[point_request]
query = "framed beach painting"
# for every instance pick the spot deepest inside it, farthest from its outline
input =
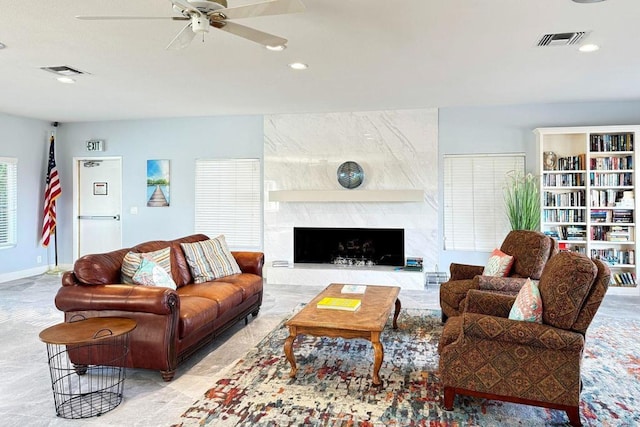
(158, 183)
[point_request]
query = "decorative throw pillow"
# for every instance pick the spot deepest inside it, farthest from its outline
(528, 304)
(132, 260)
(210, 259)
(499, 264)
(151, 274)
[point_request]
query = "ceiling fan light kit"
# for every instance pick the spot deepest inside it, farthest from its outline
(204, 14)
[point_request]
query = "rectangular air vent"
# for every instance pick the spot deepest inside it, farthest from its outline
(63, 70)
(562, 39)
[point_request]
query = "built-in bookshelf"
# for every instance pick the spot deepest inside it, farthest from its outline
(588, 195)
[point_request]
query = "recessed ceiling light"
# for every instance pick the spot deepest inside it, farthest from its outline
(65, 80)
(588, 48)
(2, 45)
(588, 1)
(298, 66)
(277, 48)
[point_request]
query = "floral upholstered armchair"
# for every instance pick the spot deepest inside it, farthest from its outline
(530, 250)
(484, 353)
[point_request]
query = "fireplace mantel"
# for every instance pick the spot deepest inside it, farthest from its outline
(346, 196)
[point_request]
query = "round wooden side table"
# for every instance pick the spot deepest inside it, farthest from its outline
(86, 361)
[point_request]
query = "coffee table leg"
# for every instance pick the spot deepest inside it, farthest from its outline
(395, 314)
(378, 356)
(288, 351)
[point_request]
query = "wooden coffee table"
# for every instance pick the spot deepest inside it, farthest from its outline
(367, 322)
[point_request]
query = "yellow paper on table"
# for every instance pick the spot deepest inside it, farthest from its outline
(347, 304)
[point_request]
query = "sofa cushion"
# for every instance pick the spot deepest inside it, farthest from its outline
(528, 304)
(250, 284)
(195, 313)
(210, 259)
(564, 287)
(151, 274)
(499, 264)
(132, 260)
(226, 295)
(530, 250)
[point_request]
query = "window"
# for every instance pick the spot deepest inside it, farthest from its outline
(475, 217)
(228, 201)
(8, 201)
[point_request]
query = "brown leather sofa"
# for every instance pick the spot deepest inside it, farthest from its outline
(171, 324)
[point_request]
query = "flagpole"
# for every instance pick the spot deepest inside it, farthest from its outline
(55, 270)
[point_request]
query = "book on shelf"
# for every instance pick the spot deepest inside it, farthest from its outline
(353, 289)
(345, 304)
(623, 279)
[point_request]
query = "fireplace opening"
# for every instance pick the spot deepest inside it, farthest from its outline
(349, 246)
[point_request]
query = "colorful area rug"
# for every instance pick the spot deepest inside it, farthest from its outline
(333, 384)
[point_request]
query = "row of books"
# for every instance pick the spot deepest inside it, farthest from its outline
(571, 198)
(563, 215)
(623, 279)
(566, 247)
(571, 163)
(615, 256)
(413, 264)
(612, 163)
(611, 142)
(567, 233)
(563, 180)
(604, 198)
(612, 233)
(611, 179)
(612, 215)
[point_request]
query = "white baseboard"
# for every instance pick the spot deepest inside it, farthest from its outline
(36, 271)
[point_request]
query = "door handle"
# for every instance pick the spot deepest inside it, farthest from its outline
(116, 217)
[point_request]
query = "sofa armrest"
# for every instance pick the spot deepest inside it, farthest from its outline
(517, 332)
(490, 303)
(132, 298)
(464, 271)
(250, 262)
(502, 284)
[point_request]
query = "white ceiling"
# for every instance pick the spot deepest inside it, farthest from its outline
(362, 55)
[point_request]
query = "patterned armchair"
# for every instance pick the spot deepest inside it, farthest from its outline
(484, 354)
(530, 250)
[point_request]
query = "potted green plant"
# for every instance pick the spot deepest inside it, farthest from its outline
(522, 201)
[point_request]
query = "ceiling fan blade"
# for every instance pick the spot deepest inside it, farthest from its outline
(182, 39)
(184, 5)
(108, 18)
(252, 34)
(274, 7)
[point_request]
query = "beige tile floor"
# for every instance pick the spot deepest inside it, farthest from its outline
(26, 399)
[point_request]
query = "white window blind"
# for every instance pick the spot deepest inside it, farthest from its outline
(475, 217)
(228, 201)
(8, 201)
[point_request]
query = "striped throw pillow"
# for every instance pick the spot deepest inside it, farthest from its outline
(210, 259)
(132, 260)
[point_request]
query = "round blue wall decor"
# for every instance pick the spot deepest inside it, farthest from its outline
(350, 175)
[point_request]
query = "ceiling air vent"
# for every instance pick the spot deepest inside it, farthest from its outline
(63, 70)
(562, 39)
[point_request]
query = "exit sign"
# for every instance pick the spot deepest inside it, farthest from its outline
(95, 145)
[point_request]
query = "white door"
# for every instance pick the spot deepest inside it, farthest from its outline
(98, 205)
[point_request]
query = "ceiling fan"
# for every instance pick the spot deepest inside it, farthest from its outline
(204, 14)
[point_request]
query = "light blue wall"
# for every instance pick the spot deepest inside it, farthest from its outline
(461, 130)
(509, 129)
(27, 140)
(181, 140)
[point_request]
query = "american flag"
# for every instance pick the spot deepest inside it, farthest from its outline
(52, 192)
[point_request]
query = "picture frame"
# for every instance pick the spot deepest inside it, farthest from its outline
(158, 183)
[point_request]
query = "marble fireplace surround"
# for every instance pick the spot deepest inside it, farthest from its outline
(398, 151)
